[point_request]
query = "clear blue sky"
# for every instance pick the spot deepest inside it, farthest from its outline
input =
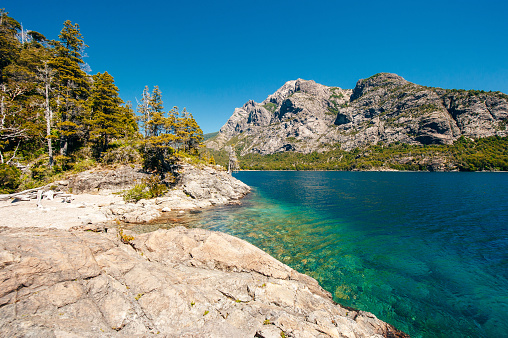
(213, 56)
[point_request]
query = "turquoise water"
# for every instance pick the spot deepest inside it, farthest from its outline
(426, 252)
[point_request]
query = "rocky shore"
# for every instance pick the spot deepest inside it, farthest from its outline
(57, 280)
(95, 198)
(177, 283)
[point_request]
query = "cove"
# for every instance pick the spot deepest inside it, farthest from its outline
(426, 252)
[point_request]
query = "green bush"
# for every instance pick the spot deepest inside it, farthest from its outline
(123, 154)
(9, 178)
(155, 186)
(158, 159)
(149, 187)
(83, 165)
(138, 192)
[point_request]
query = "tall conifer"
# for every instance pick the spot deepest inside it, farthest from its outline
(73, 83)
(106, 114)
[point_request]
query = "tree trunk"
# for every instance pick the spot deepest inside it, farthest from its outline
(64, 143)
(49, 118)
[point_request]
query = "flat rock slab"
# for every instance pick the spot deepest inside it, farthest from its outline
(56, 214)
(178, 282)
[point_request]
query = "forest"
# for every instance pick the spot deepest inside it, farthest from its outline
(484, 154)
(56, 118)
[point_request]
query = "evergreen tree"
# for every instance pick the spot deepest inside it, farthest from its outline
(9, 44)
(157, 121)
(19, 111)
(107, 116)
(129, 121)
(144, 110)
(73, 84)
(159, 138)
(193, 134)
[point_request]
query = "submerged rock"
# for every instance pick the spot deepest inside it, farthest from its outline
(178, 282)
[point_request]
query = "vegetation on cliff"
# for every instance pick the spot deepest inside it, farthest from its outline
(484, 154)
(55, 117)
(385, 122)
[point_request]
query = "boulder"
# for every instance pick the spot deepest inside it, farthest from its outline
(106, 180)
(211, 184)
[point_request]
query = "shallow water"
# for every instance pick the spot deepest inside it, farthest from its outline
(426, 252)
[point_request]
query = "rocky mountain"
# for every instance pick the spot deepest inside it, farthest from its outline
(304, 116)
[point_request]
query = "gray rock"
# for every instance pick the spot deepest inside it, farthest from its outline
(178, 282)
(196, 188)
(133, 213)
(107, 180)
(304, 116)
(209, 184)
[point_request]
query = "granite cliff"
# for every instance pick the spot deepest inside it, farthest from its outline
(304, 116)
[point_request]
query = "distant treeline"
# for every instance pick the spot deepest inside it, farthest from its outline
(485, 154)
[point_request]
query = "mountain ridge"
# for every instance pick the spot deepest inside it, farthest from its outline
(304, 116)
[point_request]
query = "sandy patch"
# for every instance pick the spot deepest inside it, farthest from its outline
(55, 214)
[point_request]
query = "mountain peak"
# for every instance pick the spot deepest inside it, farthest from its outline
(292, 87)
(364, 86)
(305, 116)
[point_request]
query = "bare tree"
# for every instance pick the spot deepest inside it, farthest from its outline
(24, 36)
(9, 131)
(46, 75)
(233, 164)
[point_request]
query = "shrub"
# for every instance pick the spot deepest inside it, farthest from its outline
(83, 165)
(138, 192)
(9, 178)
(123, 154)
(158, 159)
(125, 239)
(149, 187)
(155, 186)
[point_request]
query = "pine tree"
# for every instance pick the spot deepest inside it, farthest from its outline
(156, 124)
(129, 121)
(9, 44)
(19, 106)
(188, 132)
(158, 153)
(144, 110)
(73, 83)
(106, 113)
(194, 134)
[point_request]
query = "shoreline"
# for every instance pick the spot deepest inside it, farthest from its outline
(98, 202)
(388, 170)
(247, 293)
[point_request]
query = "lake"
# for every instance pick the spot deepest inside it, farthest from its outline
(426, 252)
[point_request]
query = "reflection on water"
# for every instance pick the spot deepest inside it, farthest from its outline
(425, 252)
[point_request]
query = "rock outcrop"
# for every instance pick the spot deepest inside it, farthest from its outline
(176, 283)
(195, 188)
(296, 118)
(106, 180)
(304, 116)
